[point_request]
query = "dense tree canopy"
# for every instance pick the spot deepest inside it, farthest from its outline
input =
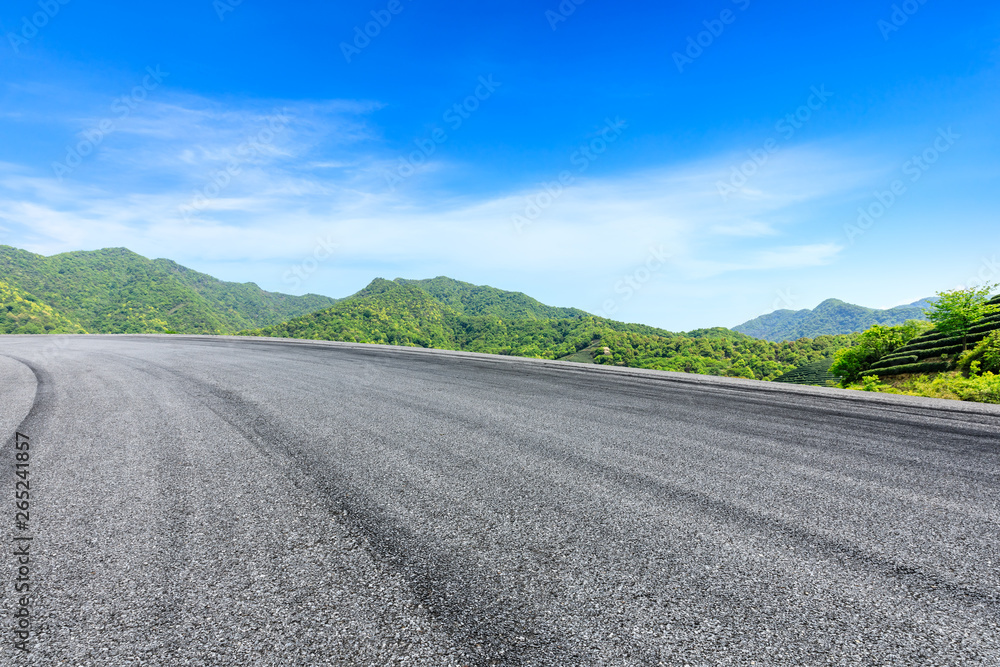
(956, 311)
(404, 313)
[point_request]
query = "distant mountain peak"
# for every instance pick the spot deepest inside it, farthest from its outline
(830, 317)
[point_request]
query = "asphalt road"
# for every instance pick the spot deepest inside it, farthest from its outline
(214, 501)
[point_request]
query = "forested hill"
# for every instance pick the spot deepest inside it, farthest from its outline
(832, 317)
(475, 319)
(469, 299)
(115, 290)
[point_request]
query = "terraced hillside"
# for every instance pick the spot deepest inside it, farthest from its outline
(816, 373)
(934, 352)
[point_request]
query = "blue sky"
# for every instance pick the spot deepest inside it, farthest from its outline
(678, 166)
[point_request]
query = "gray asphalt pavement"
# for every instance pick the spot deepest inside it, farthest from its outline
(221, 501)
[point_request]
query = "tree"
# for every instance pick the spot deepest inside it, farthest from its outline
(872, 345)
(956, 311)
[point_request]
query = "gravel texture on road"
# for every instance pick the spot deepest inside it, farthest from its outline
(234, 501)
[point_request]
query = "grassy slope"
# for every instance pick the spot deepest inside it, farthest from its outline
(934, 349)
(115, 290)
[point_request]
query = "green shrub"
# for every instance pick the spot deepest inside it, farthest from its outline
(930, 336)
(816, 373)
(990, 348)
(874, 344)
(983, 388)
(938, 351)
(871, 383)
(944, 341)
(922, 367)
(895, 360)
(984, 328)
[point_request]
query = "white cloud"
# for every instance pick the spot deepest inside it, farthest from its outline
(322, 176)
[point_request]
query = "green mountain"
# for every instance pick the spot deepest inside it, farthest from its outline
(404, 312)
(385, 312)
(114, 290)
(830, 318)
(117, 291)
(448, 314)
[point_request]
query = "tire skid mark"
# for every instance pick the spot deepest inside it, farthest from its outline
(478, 614)
(27, 425)
(444, 585)
(848, 555)
(32, 424)
(653, 385)
(173, 529)
(877, 457)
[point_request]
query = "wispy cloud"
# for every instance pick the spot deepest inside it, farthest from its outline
(320, 175)
(325, 165)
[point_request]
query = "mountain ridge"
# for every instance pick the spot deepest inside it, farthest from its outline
(831, 317)
(403, 312)
(469, 299)
(115, 290)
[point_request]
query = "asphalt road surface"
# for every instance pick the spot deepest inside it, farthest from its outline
(222, 501)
